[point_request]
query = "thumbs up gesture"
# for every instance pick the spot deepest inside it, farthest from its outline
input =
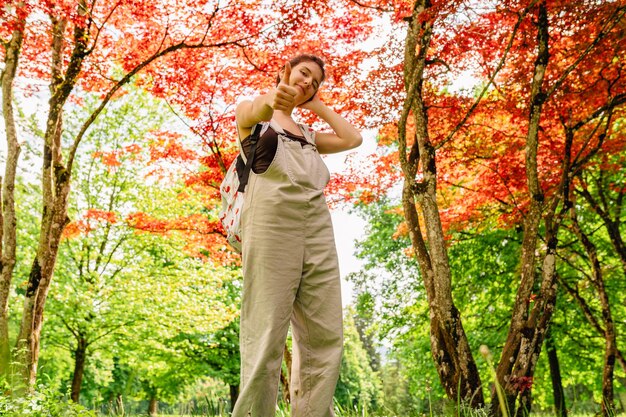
(284, 94)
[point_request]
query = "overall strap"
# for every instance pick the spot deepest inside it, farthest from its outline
(276, 127)
(306, 131)
(309, 134)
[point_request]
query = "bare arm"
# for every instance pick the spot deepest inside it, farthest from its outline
(248, 113)
(345, 135)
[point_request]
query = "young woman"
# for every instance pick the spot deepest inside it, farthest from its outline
(290, 264)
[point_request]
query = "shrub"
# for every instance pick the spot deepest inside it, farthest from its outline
(42, 403)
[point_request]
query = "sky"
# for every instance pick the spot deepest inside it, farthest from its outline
(348, 227)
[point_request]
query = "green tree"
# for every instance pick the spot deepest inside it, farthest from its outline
(359, 387)
(99, 247)
(216, 352)
(121, 294)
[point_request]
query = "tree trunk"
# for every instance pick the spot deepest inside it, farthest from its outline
(451, 352)
(80, 356)
(153, 406)
(533, 333)
(7, 214)
(284, 383)
(555, 375)
(613, 227)
(234, 394)
(285, 377)
(515, 369)
(608, 402)
(55, 191)
(119, 405)
(28, 343)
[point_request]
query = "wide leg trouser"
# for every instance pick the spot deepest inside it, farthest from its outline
(317, 338)
(290, 276)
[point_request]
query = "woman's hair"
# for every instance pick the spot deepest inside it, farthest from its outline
(306, 58)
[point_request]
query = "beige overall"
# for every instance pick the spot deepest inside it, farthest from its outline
(291, 274)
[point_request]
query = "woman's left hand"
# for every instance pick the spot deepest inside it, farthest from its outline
(314, 104)
(344, 136)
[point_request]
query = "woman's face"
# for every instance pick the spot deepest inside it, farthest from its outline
(306, 77)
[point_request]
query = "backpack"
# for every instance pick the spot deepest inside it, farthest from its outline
(233, 187)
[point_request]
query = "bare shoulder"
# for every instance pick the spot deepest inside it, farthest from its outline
(242, 117)
(243, 112)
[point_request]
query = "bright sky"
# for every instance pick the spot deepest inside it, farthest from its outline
(348, 227)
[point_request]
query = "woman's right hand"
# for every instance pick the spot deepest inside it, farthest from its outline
(282, 98)
(284, 94)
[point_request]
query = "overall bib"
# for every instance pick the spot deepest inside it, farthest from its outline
(291, 274)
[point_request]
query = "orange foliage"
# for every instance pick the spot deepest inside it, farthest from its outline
(89, 221)
(114, 158)
(481, 172)
(204, 237)
(168, 146)
(364, 181)
(401, 231)
(110, 158)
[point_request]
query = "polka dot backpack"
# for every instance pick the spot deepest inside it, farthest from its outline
(233, 186)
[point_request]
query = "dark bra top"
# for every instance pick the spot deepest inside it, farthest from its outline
(266, 148)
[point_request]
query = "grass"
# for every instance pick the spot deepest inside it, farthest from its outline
(355, 414)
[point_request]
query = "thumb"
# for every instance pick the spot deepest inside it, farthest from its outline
(286, 74)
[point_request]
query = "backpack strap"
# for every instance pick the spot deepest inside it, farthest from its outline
(257, 130)
(255, 134)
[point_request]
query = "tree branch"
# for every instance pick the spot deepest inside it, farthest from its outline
(366, 6)
(613, 20)
(507, 49)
